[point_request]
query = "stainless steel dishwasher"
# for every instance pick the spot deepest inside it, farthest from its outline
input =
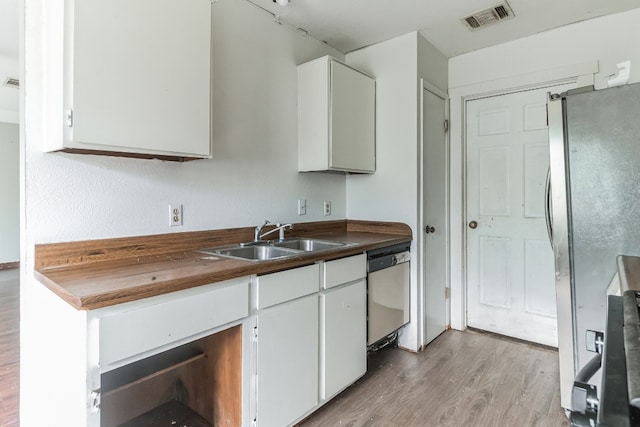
(387, 293)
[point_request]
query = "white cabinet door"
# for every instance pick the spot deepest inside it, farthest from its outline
(352, 120)
(287, 361)
(336, 118)
(138, 76)
(344, 338)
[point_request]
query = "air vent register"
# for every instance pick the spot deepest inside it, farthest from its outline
(489, 16)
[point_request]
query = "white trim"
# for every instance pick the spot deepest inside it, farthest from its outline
(526, 81)
(582, 74)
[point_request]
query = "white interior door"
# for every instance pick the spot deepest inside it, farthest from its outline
(510, 274)
(434, 209)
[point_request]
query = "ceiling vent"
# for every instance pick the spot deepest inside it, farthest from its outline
(489, 16)
(12, 82)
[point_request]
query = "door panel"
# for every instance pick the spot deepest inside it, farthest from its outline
(493, 180)
(537, 293)
(495, 287)
(536, 163)
(435, 200)
(510, 271)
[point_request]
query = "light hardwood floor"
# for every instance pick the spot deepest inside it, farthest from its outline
(9, 347)
(465, 379)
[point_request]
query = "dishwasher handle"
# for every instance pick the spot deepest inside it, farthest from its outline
(375, 264)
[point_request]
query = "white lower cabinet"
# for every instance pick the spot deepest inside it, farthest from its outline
(287, 362)
(288, 346)
(311, 339)
(344, 337)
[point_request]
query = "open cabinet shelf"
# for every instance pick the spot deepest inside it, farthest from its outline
(144, 370)
(196, 384)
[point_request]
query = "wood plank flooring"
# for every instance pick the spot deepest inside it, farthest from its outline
(462, 379)
(9, 347)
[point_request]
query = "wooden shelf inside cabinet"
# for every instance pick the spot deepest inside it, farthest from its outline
(173, 413)
(135, 373)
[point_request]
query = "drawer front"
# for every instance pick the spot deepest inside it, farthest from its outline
(344, 270)
(287, 285)
(138, 330)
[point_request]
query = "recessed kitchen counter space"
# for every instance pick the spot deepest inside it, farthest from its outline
(99, 273)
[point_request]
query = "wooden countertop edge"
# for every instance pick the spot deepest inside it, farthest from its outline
(367, 235)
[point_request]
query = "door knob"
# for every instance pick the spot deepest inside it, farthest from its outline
(428, 229)
(473, 225)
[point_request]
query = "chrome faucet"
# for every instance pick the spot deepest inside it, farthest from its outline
(256, 235)
(279, 227)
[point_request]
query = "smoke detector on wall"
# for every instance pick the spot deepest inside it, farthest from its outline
(11, 82)
(489, 16)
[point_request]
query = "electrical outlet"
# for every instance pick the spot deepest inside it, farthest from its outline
(302, 207)
(327, 207)
(175, 215)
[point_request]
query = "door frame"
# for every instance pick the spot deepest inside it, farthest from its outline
(582, 74)
(420, 243)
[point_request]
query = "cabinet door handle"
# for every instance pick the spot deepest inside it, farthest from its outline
(429, 229)
(473, 225)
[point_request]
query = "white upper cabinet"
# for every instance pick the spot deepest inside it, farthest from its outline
(336, 118)
(138, 77)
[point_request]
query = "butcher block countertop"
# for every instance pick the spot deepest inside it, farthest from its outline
(100, 273)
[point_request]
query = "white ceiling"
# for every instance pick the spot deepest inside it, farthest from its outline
(351, 24)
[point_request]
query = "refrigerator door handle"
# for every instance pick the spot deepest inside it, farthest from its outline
(547, 207)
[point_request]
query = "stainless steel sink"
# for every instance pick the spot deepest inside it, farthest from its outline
(308, 245)
(253, 252)
(268, 250)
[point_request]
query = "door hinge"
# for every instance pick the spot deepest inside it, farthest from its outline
(446, 125)
(70, 118)
(254, 335)
(446, 293)
(94, 399)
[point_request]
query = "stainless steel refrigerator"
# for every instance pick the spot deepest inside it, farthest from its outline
(593, 209)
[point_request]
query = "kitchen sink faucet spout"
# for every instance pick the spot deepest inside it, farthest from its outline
(257, 236)
(280, 228)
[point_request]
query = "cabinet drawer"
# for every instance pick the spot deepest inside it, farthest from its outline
(284, 286)
(344, 270)
(138, 329)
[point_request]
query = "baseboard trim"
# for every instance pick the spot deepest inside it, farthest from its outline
(9, 265)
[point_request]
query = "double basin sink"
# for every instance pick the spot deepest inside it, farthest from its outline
(276, 249)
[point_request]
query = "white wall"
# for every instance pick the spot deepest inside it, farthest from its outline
(252, 177)
(564, 52)
(9, 193)
(433, 65)
(391, 194)
(610, 39)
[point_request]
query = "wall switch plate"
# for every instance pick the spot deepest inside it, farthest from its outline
(175, 215)
(327, 207)
(302, 207)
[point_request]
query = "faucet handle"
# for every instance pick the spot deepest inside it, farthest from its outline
(282, 228)
(259, 228)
